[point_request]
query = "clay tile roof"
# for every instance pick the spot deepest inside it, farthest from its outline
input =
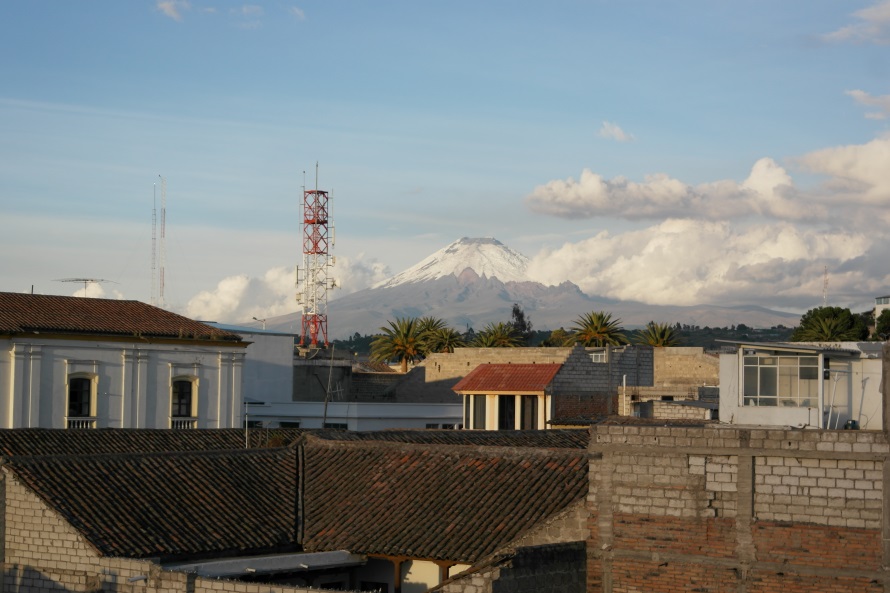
(171, 504)
(507, 378)
(448, 503)
(20, 313)
(543, 439)
(48, 441)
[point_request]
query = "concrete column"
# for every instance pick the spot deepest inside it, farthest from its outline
(35, 355)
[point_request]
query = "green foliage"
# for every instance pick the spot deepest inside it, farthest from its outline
(597, 328)
(557, 337)
(659, 335)
(882, 325)
(497, 335)
(830, 324)
(401, 341)
(522, 325)
(443, 339)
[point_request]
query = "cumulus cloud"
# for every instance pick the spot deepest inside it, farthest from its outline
(881, 102)
(240, 297)
(872, 25)
(686, 262)
(173, 8)
(614, 132)
(857, 173)
(768, 191)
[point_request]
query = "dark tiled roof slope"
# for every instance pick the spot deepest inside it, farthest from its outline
(46, 441)
(494, 378)
(35, 312)
(171, 505)
(448, 503)
(543, 439)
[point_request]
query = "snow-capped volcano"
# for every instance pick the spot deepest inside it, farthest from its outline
(487, 257)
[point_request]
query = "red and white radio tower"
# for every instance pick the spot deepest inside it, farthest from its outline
(317, 262)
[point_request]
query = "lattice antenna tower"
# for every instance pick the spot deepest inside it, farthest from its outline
(158, 249)
(314, 278)
(154, 242)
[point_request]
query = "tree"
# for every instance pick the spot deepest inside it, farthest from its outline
(522, 326)
(557, 338)
(882, 325)
(444, 339)
(597, 328)
(830, 324)
(497, 335)
(658, 335)
(402, 341)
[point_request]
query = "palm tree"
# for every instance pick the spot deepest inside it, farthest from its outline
(402, 341)
(444, 339)
(827, 329)
(497, 335)
(658, 335)
(597, 328)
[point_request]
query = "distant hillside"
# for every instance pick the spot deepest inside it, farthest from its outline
(450, 285)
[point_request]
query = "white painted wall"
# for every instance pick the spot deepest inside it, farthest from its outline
(357, 416)
(133, 381)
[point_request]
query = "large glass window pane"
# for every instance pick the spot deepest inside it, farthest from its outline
(182, 399)
(79, 392)
(768, 382)
(529, 412)
(750, 381)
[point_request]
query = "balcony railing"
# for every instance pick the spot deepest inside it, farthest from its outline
(183, 423)
(81, 422)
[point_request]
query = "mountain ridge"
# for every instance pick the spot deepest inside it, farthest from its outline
(448, 285)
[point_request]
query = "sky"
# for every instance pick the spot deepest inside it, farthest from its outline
(664, 151)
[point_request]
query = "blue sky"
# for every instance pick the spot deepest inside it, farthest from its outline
(662, 151)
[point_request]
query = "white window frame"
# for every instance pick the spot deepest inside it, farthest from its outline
(78, 422)
(190, 421)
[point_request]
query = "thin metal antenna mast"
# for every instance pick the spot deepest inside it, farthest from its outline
(825, 288)
(163, 247)
(154, 242)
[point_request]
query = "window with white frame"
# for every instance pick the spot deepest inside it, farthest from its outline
(598, 356)
(788, 380)
(183, 402)
(81, 401)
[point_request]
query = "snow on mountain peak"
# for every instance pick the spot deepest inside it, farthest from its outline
(486, 256)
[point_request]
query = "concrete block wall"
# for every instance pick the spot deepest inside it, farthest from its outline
(682, 366)
(740, 510)
(458, 364)
(673, 411)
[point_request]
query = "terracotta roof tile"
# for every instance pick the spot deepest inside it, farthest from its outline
(542, 439)
(21, 313)
(47, 441)
(449, 503)
(171, 505)
(506, 378)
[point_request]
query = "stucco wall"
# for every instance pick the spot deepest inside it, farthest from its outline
(133, 388)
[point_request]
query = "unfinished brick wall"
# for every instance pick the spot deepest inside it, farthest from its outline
(458, 364)
(741, 510)
(672, 411)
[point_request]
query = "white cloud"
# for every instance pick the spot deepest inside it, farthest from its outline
(251, 10)
(173, 8)
(881, 102)
(614, 132)
(240, 297)
(859, 173)
(872, 26)
(686, 262)
(297, 13)
(768, 191)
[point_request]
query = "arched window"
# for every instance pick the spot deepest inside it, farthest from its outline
(81, 402)
(183, 403)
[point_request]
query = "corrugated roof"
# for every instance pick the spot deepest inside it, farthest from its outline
(506, 378)
(24, 313)
(171, 504)
(448, 503)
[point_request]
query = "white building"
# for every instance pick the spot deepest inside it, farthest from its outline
(804, 385)
(69, 362)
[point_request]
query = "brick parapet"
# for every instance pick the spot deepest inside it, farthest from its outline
(756, 509)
